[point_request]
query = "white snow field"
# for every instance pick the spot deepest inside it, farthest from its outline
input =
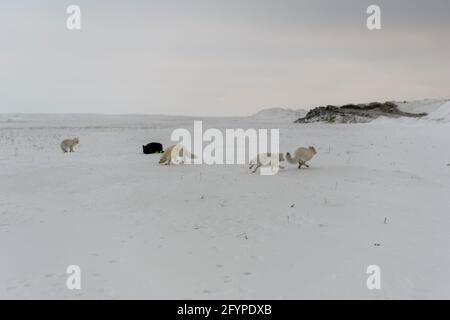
(376, 194)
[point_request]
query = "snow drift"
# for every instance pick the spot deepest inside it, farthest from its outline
(442, 114)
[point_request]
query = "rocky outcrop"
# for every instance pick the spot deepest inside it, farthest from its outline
(355, 113)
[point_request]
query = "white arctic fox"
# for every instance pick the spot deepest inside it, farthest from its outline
(266, 159)
(68, 144)
(175, 154)
(301, 156)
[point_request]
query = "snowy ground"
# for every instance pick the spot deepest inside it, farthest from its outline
(376, 194)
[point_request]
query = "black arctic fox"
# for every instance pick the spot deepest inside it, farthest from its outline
(153, 147)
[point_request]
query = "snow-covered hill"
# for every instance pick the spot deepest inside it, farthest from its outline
(387, 112)
(421, 106)
(279, 114)
(437, 112)
(441, 114)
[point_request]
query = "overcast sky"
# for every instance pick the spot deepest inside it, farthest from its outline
(211, 57)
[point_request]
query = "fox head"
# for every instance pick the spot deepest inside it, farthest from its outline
(313, 150)
(162, 159)
(76, 140)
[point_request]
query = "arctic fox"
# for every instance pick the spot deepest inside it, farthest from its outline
(266, 159)
(68, 144)
(176, 154)
(301, 156)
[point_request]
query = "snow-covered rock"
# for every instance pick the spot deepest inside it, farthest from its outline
(355, 113)
(406, 112)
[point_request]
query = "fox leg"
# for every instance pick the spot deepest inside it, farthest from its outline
(300, 165)
(256, 169)
(306, 165)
